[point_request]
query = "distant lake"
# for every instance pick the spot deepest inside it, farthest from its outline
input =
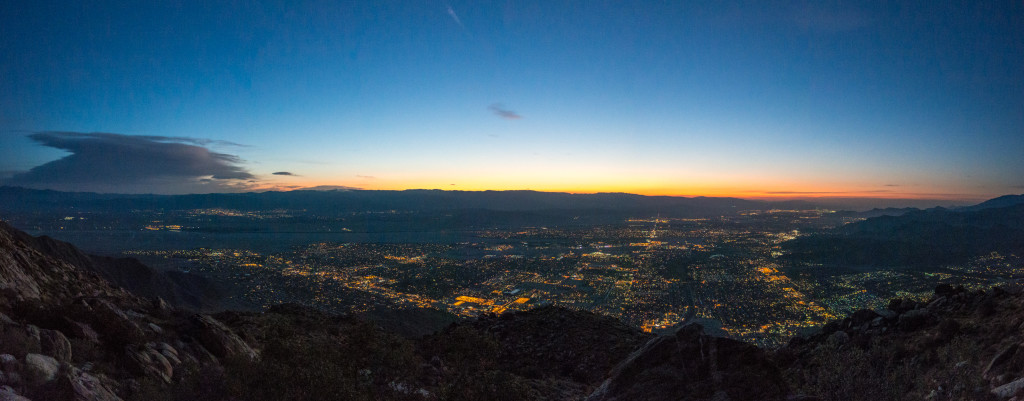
(114, 242)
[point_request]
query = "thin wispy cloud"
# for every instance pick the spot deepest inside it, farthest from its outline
(284, 173)
(500, 110)
(819, 192)
(455, 17)
(108, 162)
(365, 177)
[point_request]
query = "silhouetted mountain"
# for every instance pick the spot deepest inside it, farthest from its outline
(1000, 202)
(179, 288)
(933, 237)
(876, 212)
(344, 201)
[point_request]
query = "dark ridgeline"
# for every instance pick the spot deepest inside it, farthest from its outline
(920, 238)
(178, 288)
(16, 199)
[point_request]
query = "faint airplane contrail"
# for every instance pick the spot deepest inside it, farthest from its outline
(455, 16)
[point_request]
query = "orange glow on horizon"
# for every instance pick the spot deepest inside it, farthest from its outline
(649, 188)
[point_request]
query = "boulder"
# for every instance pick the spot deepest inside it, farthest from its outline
(55, 344)
(220, 340)
(40, 369)
(147, 361)
(8, 394)
(82, 386)
(83, 331)
(9, 363)
(913, 320)
(115, 323)
(161, 308)
(168, 352)
(1009, 389)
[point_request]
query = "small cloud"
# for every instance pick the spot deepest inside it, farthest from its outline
(283, 173)
(891, 185)
(502, 112)
(366, 177)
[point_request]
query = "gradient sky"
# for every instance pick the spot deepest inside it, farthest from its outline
(751, 99)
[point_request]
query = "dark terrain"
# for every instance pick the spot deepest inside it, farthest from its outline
(69, 333)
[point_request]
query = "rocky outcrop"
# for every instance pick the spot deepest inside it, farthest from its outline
(220, 340)
(55, 344)
(40, 369)
(959, 344)
(692, 365)
(81, 386)
(181, 289)
(147, 360)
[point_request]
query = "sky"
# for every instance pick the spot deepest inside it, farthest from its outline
(759, 99)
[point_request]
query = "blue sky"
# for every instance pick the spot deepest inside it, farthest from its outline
(750, 99)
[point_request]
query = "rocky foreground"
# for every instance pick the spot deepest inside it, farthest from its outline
(67, 333)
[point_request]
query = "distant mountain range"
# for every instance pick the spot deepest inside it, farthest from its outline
(341, 201)
(932, 237)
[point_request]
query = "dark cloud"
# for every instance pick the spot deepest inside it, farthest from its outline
(282, 173)
(106, 162)
(891, 185)
(502, 112)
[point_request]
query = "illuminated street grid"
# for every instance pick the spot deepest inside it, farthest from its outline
(652, 273)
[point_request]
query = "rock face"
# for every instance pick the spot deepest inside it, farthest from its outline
(693, 366)
(55, 344)
(220, 340)
(82, 386)
(182, 289)
(61, 324)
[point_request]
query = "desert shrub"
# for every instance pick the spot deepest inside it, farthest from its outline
(195, 382)
(16, 341)
(464, 348)
(892, 371)
(360, 364)
(494, 385)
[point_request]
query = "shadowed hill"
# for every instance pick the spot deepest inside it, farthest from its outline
(934, 237)
(179, 288)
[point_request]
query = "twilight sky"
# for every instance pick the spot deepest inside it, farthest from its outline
(751, 99)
